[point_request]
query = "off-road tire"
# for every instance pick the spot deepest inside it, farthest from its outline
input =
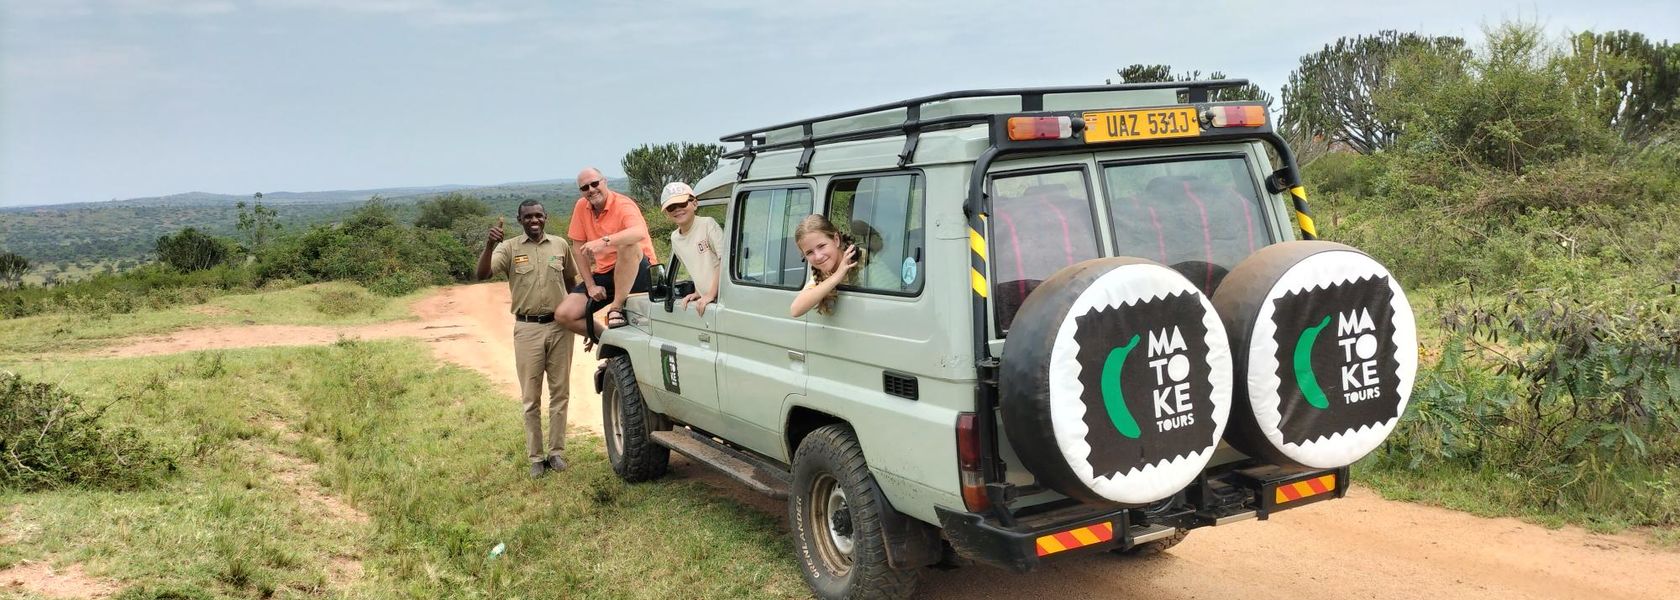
(1155, 547)
(829, 467)
(629, 426)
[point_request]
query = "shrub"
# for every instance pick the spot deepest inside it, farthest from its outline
(50, 438)
(1572, 397)
(344, 300)
(191, 250)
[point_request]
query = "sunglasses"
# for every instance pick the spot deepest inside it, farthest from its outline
(676, 207)
(589, 186)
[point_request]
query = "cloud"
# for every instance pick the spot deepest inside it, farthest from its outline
(424, 12)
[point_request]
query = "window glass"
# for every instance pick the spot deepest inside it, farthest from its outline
(764, 252)
(883, 216)
(1198, 216)
(1041, 223)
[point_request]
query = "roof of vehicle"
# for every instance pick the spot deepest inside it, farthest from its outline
(941, 128)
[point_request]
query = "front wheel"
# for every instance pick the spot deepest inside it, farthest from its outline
(629, 426)
(835, 510)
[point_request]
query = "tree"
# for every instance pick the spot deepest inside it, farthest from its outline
(650, 167)
(258, 224)
(1334, 91)
(191, 250)
(443, 211)
(12, 268)
(1140, 73)
(1627, 82)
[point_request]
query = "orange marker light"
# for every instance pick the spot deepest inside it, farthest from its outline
(1236, 116)
(1040, 128)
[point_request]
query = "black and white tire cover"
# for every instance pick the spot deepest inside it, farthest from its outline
(1325, 350)
(1116, 381)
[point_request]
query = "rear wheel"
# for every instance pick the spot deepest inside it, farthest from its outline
(630, 425)
(835, 512)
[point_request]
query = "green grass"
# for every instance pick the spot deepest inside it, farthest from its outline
(332, 303)
(432, 456)
(1638, 497)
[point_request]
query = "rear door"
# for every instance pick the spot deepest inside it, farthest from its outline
(764, 367)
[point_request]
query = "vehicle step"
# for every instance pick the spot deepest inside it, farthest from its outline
(762, 478)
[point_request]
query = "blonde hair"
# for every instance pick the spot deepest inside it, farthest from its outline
(818, 223)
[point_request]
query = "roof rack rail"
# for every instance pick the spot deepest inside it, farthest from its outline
(1032, 99)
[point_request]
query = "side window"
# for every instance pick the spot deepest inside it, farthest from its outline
(1199, 216)
(883, 216)
(764, 252)
(1041, 223)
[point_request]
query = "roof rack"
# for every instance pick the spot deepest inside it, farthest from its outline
(1032, 99)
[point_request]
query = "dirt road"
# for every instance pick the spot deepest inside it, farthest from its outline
(1359, 547)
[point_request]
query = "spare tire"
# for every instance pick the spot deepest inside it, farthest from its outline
(1116, 381)
(1325, 348)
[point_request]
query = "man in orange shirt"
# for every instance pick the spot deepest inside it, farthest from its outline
(609, 235)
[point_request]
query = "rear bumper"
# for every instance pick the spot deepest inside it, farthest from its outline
(1219, 498)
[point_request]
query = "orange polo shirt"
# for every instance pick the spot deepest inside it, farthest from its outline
(619, 213)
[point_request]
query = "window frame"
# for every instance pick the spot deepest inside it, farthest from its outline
(1084, 169)
(737, 215)
(921, 185)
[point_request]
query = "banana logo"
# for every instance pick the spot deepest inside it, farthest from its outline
(1114, 395)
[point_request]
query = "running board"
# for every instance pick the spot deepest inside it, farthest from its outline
(756, 473)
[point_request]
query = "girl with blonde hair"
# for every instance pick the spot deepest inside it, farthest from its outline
(832, 256)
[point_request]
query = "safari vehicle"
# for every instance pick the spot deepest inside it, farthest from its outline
(1085, 324)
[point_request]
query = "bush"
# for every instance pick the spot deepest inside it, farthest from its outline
(49, 438)
(370, 248)
(344, 300)
(1574, 398)
(191, 250)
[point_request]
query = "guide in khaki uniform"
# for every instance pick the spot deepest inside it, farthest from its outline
(539, 269)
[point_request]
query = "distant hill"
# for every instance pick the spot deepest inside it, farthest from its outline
(69, 240)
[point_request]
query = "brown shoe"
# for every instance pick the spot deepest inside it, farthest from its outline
(538, 468)
(555, 463)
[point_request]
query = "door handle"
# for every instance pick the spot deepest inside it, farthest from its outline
(797, 356)
(705, 338)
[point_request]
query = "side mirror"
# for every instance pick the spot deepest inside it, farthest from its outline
(659, 288)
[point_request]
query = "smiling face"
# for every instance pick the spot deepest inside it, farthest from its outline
(682, 214)
(532, 219)
(821, 250)
(593, 186)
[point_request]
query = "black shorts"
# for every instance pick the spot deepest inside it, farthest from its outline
(642, 283)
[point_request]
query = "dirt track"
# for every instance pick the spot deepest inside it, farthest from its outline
(1360, 547)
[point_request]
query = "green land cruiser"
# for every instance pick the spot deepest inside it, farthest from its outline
(1085, 323)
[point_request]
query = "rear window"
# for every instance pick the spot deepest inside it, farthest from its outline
(1198, 216)
(1041, 222)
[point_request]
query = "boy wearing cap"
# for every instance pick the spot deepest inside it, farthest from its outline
(697, 242)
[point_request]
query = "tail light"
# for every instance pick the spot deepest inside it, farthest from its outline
(969, 475)
(1041, 128)
(1236, 116)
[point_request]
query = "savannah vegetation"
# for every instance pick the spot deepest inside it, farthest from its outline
(1522, 189)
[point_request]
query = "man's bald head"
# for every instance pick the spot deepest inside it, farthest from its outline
(593, 185)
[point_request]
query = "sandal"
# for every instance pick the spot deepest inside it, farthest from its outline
(615, 318)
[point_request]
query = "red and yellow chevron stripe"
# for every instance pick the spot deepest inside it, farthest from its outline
(1302, 489)
(1075, 538)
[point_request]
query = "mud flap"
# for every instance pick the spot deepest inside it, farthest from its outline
(910, 543)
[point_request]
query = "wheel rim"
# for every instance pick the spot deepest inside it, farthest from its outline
(615, 425)
(831, 518)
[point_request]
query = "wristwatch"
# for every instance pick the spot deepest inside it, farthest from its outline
(606, 240)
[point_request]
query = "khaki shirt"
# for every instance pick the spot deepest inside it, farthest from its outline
(539, 274)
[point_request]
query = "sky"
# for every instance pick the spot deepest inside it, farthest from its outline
(110, 99)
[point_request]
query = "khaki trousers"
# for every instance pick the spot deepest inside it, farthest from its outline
(543, 349)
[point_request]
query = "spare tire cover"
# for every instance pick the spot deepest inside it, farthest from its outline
(1325, 350)
(1116, 381)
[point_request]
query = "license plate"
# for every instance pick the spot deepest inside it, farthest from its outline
(1146, 124)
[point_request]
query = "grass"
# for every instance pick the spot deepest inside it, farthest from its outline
(274, 444)
(332, 303)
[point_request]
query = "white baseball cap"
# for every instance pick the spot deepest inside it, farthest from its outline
(675, 192)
